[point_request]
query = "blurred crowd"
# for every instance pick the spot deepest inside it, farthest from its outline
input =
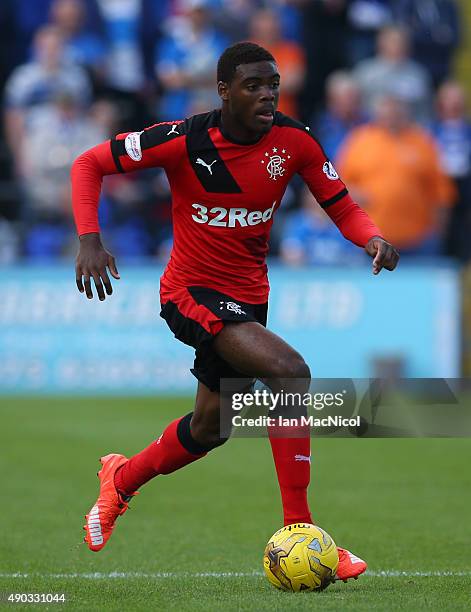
(373, 78)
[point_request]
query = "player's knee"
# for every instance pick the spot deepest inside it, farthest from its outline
(206, 432)
(290, 366)
(300, 369)
(208, 437)
(215, 441)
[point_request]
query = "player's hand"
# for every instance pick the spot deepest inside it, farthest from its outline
(92, 261)
(384, 254)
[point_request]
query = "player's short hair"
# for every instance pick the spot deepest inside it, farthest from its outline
(240, 53)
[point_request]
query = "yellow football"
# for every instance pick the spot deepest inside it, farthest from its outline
(301, 557)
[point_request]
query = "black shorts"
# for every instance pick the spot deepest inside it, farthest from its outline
(195, 315)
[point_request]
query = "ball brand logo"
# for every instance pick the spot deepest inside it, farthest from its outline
(329, 170)
(132, 144)
(233, 307)
(274, 163)
(217, 216)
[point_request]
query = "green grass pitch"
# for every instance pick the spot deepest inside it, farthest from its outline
(194, 540)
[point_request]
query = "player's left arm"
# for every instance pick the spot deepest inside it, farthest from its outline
(332, 195)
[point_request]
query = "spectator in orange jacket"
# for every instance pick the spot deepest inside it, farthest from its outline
(393, 169)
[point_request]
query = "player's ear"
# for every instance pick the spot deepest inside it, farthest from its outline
(223, 91)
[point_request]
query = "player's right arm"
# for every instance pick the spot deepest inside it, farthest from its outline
(160, 145)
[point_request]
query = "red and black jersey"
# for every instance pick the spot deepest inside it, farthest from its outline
(224, 196)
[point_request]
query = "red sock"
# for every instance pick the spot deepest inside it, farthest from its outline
(292, 458)
(162, 456)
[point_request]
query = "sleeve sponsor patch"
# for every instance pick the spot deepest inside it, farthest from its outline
(329, 170)
(132, 144)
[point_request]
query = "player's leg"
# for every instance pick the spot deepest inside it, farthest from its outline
(177, 446)
(120, 477)
(255, 351)
(186, 439)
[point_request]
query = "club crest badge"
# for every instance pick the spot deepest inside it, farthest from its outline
(274, 160)
(232, 307)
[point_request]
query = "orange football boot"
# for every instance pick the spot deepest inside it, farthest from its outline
(350, 566)
(109, 505)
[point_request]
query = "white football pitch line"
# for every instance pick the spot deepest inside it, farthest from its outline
(254, 574)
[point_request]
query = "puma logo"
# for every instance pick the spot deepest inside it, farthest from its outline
(94, 526)
(201, 162)
(173, 130)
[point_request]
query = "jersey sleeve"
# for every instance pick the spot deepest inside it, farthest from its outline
(332, 195)
(160, 145)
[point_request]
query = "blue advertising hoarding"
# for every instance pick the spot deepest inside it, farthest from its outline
(54, 341)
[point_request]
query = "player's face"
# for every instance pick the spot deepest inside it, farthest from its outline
(252, 96)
